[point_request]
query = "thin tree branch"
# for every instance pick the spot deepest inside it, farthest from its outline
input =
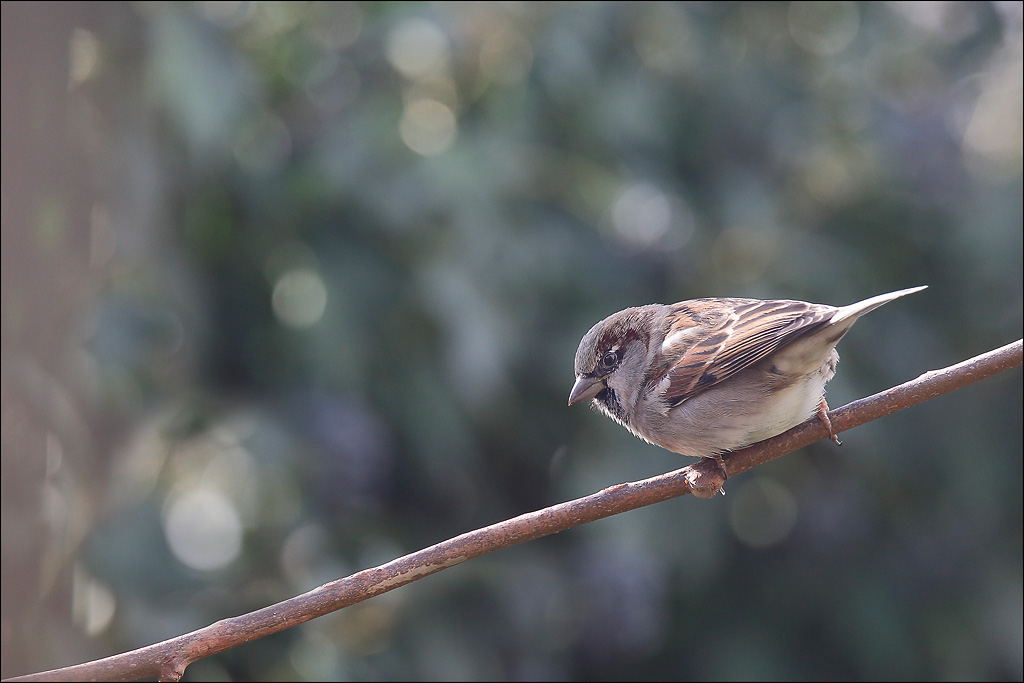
(167, 660)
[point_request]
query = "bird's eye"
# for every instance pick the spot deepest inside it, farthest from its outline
(609, 360)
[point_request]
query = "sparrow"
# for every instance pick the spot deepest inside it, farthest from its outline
(707, 376)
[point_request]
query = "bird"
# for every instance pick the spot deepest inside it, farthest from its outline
(704, 377)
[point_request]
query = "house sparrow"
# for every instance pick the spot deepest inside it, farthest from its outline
(708, 376)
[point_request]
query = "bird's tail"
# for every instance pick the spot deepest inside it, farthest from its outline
(861, 307)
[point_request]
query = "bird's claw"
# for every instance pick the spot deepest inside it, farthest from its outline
(823, 416)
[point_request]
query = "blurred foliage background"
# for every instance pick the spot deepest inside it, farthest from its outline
(292, 289)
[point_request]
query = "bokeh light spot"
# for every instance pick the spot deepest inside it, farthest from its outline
(300, 298)
(85, 55)
(641, 214)
(992, 140)
(203, 529)
(417, 48)
(763, 513)
(92, 602)
(427, 127)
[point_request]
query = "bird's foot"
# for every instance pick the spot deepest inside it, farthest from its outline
(823, 416)
(705, 483)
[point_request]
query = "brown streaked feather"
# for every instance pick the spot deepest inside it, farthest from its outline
(736, 335)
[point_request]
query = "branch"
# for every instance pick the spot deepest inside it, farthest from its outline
(167, 660)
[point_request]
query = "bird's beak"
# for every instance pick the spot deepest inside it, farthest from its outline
(585, 388)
